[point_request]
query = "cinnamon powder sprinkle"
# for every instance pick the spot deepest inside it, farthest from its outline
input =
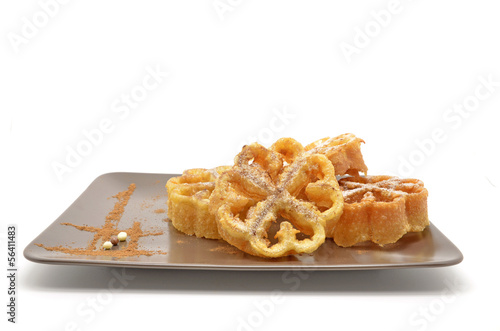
(224, 249)
(111, 227)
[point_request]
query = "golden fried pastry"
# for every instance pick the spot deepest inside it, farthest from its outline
(265, 185)
(188, 201)
(380, 209)
(343, 151)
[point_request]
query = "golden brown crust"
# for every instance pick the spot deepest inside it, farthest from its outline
(380, 209)
(188, 197)
(266, 184)
(343, 151)
(288, 181)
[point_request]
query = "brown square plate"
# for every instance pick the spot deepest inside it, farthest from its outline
(171, 249)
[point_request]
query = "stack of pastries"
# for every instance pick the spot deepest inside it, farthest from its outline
(309, 193)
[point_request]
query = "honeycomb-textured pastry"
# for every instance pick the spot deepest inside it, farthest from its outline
(343, 151)
(380, 209)
(188, 197)
(265, 185)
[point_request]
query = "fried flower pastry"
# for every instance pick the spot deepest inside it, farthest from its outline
(380, 209)
(266, 185)
(343, 151)
(188, 197)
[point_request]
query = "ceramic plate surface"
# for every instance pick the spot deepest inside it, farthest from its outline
(147, 205)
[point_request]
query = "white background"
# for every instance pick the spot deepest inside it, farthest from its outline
(230, 73)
